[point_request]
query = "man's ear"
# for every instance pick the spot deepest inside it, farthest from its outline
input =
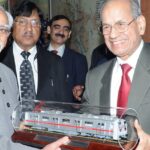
(69, 34)
(48, 29)
(141, 22)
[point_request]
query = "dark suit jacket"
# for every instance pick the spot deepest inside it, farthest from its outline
(100, 55)
(51, 76)
(98, 87)
(75, 68)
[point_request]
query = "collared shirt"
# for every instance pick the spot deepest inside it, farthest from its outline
(60, 49)
(18, 60)
(117, 74)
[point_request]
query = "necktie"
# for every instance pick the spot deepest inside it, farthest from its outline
(27, 86)
(124, 87)
(54, 51)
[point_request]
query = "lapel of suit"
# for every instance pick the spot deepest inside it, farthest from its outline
(106, 82)
(41, 71)
(9, 60)
(141, 79)
(65, 55)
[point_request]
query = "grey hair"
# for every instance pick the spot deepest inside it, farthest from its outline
(135, 7)
(9, 17)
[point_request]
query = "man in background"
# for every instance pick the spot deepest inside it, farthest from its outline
(100, 55)
(75, 63)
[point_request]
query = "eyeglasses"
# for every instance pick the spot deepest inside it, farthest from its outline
(119, 26)
(24, 22)
(4, 30)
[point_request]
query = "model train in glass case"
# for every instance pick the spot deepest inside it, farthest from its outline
(96, 126)
(37, 123)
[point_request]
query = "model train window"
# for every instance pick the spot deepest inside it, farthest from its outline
(99, 124)
(45, 118)
(55, 119)
(34, 117)
(102, 124)
(77, 121)
(65, 120)
(88, 123)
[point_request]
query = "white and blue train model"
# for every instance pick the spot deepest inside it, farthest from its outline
(97, 126)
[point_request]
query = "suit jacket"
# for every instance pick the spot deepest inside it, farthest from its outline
(75, 68)
(98, 87)
(51, 76)
(100, 55)
(8, 101)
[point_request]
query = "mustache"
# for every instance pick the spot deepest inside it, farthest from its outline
(61, 35)
(28, 33)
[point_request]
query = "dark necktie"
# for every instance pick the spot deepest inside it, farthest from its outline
(27, 86)
(54, 51)
(124, 88)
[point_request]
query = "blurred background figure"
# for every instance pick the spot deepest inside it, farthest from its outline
(75, 64)
(100, 55)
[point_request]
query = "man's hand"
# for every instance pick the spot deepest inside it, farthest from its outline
(144, 143)
(56, 145)
(77, 91)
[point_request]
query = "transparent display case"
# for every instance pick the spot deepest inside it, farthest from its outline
(43, 122)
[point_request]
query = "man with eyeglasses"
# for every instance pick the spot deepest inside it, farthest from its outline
(9, 96)
(124, 80)
(59, 29)
(45, 77)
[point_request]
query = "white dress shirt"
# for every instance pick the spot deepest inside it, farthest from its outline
(18, 60)
(60, 49)
(117, 74)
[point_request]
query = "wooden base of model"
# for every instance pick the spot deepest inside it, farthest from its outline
(39, 140)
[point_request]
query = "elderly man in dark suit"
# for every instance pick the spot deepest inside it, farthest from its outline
(75, 63)
(47, 68)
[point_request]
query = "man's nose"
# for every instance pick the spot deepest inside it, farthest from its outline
(29, 25)
(113, 32)
(61, 30)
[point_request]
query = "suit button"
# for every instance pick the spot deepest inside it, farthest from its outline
(3, 91)
(8, 104)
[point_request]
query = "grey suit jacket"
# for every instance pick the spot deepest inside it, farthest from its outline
(8, 101)
(98, 83)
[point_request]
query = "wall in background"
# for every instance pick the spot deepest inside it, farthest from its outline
(4, 3)
(145, 4)
(85, 36)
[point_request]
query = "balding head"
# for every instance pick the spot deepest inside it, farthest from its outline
(135, 6)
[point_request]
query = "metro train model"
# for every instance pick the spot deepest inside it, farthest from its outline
(73, 124)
